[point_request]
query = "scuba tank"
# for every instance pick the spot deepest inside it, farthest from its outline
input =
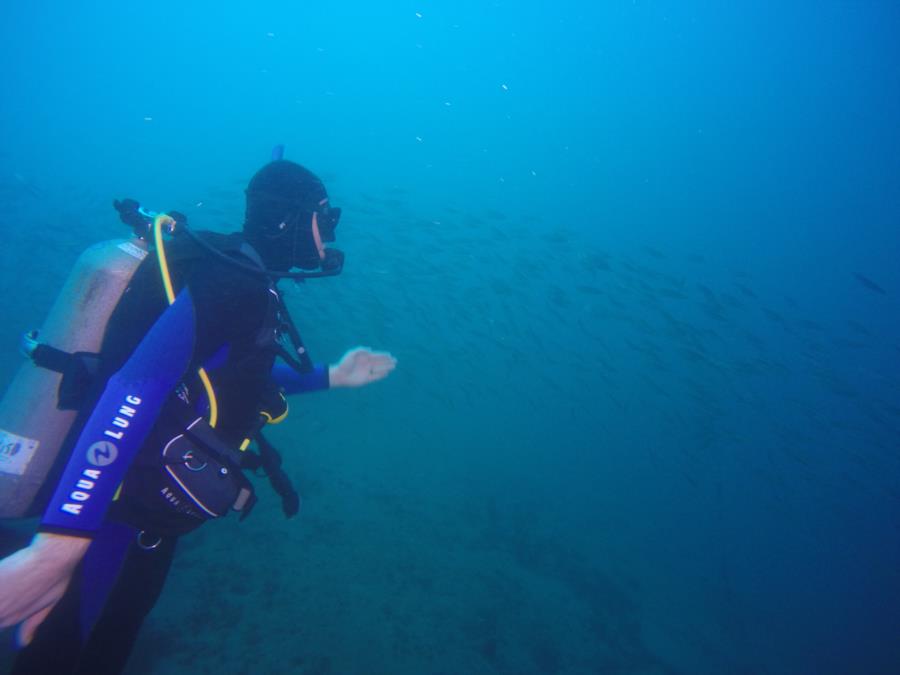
(32, 426)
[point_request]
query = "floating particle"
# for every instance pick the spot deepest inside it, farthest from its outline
(270, 35)
(199, 203)
(148, 119)
(504, 87)
(447, 103)
(418, 15)
(419, 138)
(533, 172)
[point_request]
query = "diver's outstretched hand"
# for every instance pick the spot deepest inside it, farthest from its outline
(360, 366)
(33, 579)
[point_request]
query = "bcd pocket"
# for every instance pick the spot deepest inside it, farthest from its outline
(206, 472)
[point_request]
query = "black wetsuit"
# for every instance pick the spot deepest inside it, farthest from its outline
(233, 309)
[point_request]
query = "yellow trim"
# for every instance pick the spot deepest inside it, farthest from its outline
(158, 222)
(281, 417)
(245, 444)
(118, 492)
(211, 396)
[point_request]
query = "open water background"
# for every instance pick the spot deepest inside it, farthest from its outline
(638, 261)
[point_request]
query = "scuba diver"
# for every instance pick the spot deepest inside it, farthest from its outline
(155, 425)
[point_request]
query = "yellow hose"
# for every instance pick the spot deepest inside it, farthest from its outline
(158, 222)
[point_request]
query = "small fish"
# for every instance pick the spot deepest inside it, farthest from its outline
(774, 316)
(745, 291)
(868, 283)
(858, 327)
(809, 324)
(670, 293)
(596, 261)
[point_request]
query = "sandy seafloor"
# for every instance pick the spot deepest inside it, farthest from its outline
(371, 582)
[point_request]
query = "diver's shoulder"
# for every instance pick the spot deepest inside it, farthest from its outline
(231, 267)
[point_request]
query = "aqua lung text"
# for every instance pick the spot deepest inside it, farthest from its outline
(101, 454)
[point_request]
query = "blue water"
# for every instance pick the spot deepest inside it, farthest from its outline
(638, 261)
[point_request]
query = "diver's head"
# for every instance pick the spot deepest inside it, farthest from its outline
(289, 220)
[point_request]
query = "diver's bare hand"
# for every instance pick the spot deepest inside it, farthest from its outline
(360, 366)
(33, 579)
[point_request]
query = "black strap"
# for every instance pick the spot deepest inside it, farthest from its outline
(270, 462)
(200, 431)
(300, 360)
(51, 358)
(79, 372)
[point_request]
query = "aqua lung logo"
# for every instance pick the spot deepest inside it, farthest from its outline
(9, 450)
(102, 453)
(123, 419)
(82, 491)
(15, 453)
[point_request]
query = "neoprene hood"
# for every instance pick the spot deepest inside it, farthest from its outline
(281, 199)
